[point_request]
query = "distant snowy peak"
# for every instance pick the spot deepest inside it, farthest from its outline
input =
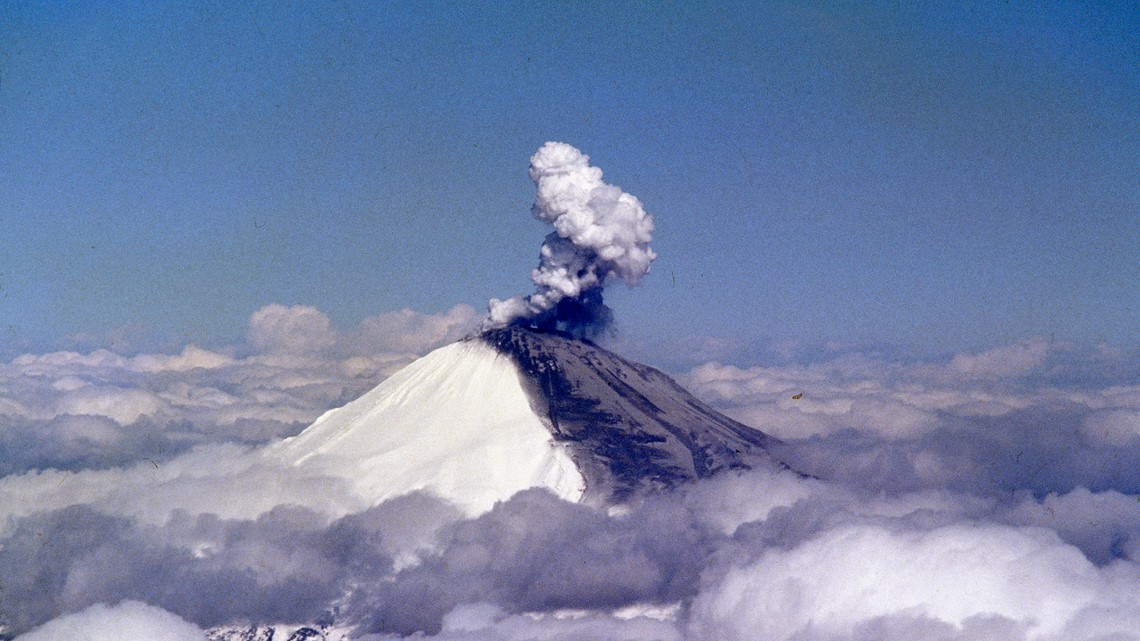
(629, 428)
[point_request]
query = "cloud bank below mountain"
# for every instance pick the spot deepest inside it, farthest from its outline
(990, 495)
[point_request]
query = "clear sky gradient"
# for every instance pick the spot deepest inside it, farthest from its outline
(936, 175)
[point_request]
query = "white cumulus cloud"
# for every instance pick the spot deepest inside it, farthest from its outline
(414, 332)
(300, 329)
(852, 576)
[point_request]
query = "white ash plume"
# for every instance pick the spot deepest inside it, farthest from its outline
(599, 231)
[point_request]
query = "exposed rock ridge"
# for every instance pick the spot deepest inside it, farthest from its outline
(630, 428)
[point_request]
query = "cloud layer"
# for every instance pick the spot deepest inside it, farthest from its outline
(1038, 415)
(990, 495)
(72, 411)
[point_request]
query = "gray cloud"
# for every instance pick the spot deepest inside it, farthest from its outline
(536, 553)
(772, 556)
(71, 411)
(289, 565)
(129, 493)
(1005, 419)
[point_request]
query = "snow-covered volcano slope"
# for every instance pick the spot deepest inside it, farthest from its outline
(456, 422)
(513, 408)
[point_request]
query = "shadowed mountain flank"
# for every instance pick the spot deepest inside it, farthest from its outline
(628, 427)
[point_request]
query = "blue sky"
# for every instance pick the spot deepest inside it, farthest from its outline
(942, 177)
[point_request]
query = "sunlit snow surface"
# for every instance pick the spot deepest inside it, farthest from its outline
(456, 422)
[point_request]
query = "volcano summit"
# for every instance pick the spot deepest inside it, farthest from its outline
(514, 408)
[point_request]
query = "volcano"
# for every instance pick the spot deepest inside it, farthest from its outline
(513, 408)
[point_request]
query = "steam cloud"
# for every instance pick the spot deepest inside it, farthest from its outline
(599, 231)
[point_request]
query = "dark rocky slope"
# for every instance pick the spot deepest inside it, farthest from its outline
(629, 428)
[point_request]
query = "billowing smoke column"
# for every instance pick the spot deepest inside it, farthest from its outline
(599, 231)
